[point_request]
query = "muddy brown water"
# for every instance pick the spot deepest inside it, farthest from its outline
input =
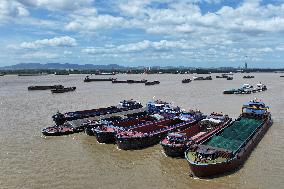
(30, 160)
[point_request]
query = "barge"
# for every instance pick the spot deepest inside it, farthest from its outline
(175, 144)
(105, 132)
(88, 79)
(152, 133)
(202, 78)
(248, 77)
(129, 81)
(228, 149)
(125, 105)
(152, 82)
(63, 90)
(45, 87)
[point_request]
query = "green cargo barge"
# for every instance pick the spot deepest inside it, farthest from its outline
(235, 135)
(229, 148)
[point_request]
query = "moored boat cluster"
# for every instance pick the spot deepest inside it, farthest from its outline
(52, 88)
(212, 144)
(247, 89)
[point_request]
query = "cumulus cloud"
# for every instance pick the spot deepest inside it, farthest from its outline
(93, 23)
(10, 9)
(145, 45)
(64, 41)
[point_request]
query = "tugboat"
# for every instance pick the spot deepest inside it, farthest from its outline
(58, 130)
(63, 90)
(230, 147)
(175, 144)
(186, 81)
(125, 105)
(151, 133)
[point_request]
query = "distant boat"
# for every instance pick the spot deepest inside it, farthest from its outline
(186, 81)
(41, 74)
(105, 73)
(152, 83)
(45, 87)
(248, 77)
(202, 78)
(223, 76)
(88, 79)
(130, 81)
(63, 90)
(61, 73)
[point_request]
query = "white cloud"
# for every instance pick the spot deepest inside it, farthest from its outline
(40, 55)
(280, 48)
(144, 45)
(67, 52)
(64, 41)
(92, 23)
(57, 4)
(10, 9)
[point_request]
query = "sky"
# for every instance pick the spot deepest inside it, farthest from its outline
(192, 33)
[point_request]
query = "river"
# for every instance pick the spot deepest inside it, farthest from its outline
(30, 160)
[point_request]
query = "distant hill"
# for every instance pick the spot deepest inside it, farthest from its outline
(59, 66)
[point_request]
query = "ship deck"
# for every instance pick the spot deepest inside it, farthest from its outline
(234, 136)
(193, 157)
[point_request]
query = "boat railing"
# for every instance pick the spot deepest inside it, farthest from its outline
(248, 139)
(215, 130)
(171, 127)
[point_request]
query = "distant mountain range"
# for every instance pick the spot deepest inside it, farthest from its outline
(59, 66)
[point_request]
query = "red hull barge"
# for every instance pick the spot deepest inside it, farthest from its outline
(58, 131)
(149, 134)
(90, 125)
(125, 105)
(105, 133)
(175, 144)
(216, 157)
